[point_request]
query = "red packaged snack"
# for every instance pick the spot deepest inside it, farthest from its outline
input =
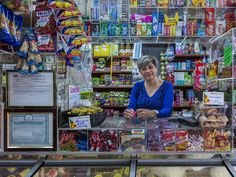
(45, 42)
(209, 15)
(230, 21)
(181, 140)
(103, 141)
(199, 76)
(210, 29)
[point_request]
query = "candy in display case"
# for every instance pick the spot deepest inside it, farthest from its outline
(73, 140)
(63, 172)
(103, 140)
(133, 140)
(217, 140)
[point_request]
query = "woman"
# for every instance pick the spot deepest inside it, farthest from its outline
(152, 97)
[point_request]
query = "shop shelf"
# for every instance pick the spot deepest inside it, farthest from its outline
(113, 106)
(113, 87)
(183, 70)
(190, 55)
(113, 72)
(183, 86)
(121, 57)
(183, 106)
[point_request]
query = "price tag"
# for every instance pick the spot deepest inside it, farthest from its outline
(213, 98)
(79, 122)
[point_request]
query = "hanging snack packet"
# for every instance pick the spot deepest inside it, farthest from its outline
(69, 22)
(23, 52)
(73, 51)
(62, 4)
(45, 42)
(62, 14)
(72, 31)
(43, 24)
(60, 51)
(77, 40)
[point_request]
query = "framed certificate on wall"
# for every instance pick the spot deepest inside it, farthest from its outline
(30, 130)
(34, 90)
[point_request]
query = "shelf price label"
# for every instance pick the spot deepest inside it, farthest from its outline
(213, 98)
(79, 122)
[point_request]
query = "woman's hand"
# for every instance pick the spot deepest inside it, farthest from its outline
(129, 113)
(145, 113)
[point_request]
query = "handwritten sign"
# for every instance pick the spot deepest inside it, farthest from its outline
(213, 98)
(79, 122)
(74, 95)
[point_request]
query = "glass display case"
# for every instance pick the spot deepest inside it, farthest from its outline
(221, 73)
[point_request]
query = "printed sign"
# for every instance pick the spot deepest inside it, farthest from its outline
(74, 95)
(213, 98)
(79, 122)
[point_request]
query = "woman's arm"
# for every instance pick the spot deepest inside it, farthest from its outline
(167, 102)
(134, 97)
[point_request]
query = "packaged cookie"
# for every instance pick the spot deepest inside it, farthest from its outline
(132, 140)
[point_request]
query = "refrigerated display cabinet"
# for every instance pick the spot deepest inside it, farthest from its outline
(203, 165)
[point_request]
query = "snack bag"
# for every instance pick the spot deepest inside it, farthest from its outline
(62, 14)
(199, 76)
(62, 4)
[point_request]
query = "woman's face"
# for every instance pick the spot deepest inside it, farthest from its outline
(149, 71)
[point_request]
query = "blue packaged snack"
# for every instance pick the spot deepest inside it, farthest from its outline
(10, 26)
(23, 51)
(111, 29)
(124, 29)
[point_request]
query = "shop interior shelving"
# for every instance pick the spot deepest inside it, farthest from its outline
(131, 160)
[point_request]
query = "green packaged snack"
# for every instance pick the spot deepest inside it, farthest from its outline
(118, 29)
(104, 29)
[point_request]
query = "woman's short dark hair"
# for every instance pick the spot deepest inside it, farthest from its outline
(145, 60)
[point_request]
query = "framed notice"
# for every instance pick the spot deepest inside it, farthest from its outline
(1, 126)
(30, 130)
(34, 90)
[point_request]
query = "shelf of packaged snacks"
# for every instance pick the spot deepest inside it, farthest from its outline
(113, 106)
(47, 53)
(118, 57)
(113, 72)
(190, 55)
(183, 86)
(184, 7)
(183, 70)
(217, 38)
(183, 106)
(113, 87)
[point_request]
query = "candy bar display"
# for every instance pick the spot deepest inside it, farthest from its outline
(62, 171)
(132, 140)
(103, 140)
(195, 140)
(217, 140)
(73, 140)
(113, 172)
(12, 171)
(182, 140)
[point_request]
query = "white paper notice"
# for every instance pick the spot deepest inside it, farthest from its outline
(80, 122)
(74, 95)
(30, 90)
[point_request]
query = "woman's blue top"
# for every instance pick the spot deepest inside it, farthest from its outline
(162, 99)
